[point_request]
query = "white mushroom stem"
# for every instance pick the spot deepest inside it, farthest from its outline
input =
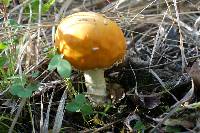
(96, 85)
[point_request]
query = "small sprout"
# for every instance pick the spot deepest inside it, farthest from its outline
(22, 89)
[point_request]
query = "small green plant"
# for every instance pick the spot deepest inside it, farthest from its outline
(20, 87)
(9, 52)
(35, 7)
(2, 46)
(80, 104)
(61, 65)
(5, 2)
(13, 39)
(139, 126)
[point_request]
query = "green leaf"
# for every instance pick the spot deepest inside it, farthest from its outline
(3, 46)
(2, 61)
(86, 109)
(20, 81)
(35, 7)
(77, 103)
(47, 6)
(64, 68)
(139, 125)
(54, 62)
(21, 91)
(18, 87)
(80, 104)
(5, 2)
(24, 93)
(73, 107)
(80, 99)
(15, 88)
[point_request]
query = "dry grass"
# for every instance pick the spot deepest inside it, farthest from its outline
(162, 44)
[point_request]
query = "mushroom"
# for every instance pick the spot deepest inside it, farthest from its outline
(91, 43)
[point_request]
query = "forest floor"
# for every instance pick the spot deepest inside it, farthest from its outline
(154, 89)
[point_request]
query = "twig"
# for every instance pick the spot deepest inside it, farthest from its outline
(38, 31)
(20, 15)
(181, 37)
(41, 113)
(21, 105)
(162, 83)
(60, 113)
(142, 10)
(32, 118)
(46, 121)
(157, 40)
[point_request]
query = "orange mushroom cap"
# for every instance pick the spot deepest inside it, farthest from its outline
(88, 40)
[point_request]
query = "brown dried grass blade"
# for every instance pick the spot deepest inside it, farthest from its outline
(194, 73)
(60, 113)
